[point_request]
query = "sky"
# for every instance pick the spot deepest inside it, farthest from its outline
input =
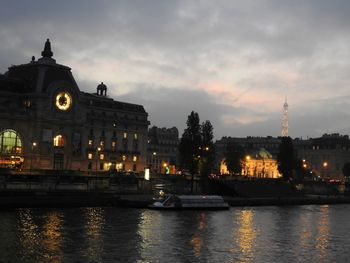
(233, 62)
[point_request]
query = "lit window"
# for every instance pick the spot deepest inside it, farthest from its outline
(10, 142)
(89, 156)
(134, 158)
(135, 136)
(114, 144)
(58, 141)
(102, 156)
(125, 135)
(90, 142)
(27, 103)
(102, 143)
(124, 157)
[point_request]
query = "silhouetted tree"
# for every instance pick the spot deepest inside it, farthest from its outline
(285, 158)
(189, 147)
(346, 170)
(207, 149)
(207, 153)
(301, 172)
(234, 156)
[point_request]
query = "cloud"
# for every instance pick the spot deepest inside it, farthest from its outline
(231, 61)
(172, 106)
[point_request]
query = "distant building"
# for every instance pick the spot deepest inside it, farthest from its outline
(162, 149)
(258, 165)
(46, 122)
(250, 145)
(324, 156)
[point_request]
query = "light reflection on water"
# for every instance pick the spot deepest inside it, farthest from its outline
(46, 235)
(29, 234)
(93, 223)
(263, 234)
(305, 233)
(148, 232)
(197, 240)
(322, 238)
(245, 234)
(52, 237)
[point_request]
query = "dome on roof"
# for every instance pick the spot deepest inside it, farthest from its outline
(264, 154)
(102, 89)
(102, 86)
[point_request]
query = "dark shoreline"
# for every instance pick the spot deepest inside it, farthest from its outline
(71, 199)
(29, 190)
(286, 201)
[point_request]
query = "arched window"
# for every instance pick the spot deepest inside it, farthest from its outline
(10, 142)
(58, 141)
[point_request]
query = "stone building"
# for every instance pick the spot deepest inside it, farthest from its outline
(162, 149)
(47, 122)
(324, 156)
(259, 164)
(249, 144)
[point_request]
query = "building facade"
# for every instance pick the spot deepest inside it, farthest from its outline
(249, 144)
(260, 164)
(325, 156)
(46, 122)
(162, 149)
(322, 157)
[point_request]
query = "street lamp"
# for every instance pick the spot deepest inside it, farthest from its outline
(304, 164)
(33, 146)
(325, 165)
(166, 169)
(98, 149)
(154, 154)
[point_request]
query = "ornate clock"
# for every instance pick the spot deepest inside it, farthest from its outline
(63, 101)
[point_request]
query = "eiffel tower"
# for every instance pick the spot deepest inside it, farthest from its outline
(285, 119)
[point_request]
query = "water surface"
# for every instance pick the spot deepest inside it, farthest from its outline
(248, 234)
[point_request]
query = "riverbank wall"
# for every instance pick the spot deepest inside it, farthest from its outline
(63, 190)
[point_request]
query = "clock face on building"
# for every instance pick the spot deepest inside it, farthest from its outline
(63, 101)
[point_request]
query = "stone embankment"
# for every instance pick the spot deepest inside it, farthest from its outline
(131, 191)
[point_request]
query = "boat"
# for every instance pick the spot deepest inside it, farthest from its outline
(174, 202)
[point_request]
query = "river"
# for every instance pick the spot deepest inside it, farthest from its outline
(241, 234)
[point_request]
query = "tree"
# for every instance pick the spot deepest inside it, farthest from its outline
(346, 170)
(285, 158)
(234, 157)
(207, 149)
(189, 147)
(207, 154)
(301, 170)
